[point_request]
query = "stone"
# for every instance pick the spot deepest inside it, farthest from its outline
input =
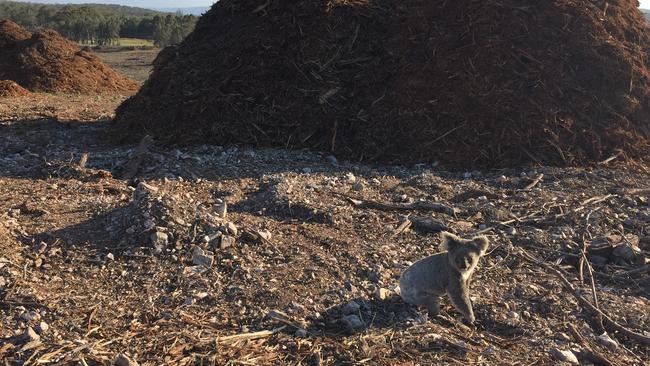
(124, 360)
(231, 228)
(110, 257)
(42, 327)
(226, 241)
(564, 356)
(202, 258)
(143, 190)
(265, 234)
(358, 186)
(625, 251)
(332, 160)
(350, 177)
(30, 316)
(29, 335)
(353, 323)
(511, 231)
(607, 341)
(221, 209)
(350, 308)
(301, 333)
(159, 239)
(382, 294)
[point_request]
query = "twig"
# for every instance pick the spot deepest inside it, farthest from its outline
(586, 352)
(534, 183)
(402, 227)
(249, 336)
(584, 302)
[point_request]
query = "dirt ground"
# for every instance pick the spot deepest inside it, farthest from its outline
(303, 268)
(135, 64)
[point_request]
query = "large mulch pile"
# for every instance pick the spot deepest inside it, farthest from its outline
(9, 89)
(47, 62)
(466, 83)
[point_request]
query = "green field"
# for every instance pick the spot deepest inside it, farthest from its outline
(136, 42)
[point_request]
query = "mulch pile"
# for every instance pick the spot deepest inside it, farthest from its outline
(10, 89)
(47, 62)
(467, 83)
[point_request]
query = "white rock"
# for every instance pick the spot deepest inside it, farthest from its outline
(42, 327)
(110, 257)
(564, 355)
(29, 335)
(350, 177)
(382, 294)
(231, 228)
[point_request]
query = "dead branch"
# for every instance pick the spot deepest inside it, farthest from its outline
(535, 182)
(586, 352)
(584, 302)
(249, 336)
(427, 224)
(415, 206)
(133, 165)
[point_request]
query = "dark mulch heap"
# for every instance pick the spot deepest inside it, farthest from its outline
(468, 83)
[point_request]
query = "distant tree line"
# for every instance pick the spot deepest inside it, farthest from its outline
(101, 24)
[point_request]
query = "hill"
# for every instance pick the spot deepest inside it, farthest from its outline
(196, 10)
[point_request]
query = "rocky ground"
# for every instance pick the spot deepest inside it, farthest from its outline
(220, 255)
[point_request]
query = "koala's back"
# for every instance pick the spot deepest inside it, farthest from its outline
(428, 275)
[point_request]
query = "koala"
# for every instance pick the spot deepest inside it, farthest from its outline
(449, 271)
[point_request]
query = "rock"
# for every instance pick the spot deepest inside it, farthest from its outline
(159, 239)
(226, 242)
(42, 327)
(350, 177)
(3, 283)
(607, 341)
(358, 186)
(231, 228)
(221, 209)
(29, 335)
(110, 257)
(144, 190)
(382, 294)
(332, 160)
(513, 315)
(194, 270)
(353, 323)
(511, 231)
(301, 333)
(306, 170)
(202, 258)
(124, 360)
(264, 234)
(564, 356)
(350, 308)
(31, 316)
(626, 252)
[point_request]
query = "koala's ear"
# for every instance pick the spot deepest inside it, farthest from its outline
(481, 243)
(449, 241)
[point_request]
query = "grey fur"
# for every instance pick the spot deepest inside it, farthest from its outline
(448, 272)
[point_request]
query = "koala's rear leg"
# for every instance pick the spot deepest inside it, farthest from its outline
(433, 306)
(459, 296)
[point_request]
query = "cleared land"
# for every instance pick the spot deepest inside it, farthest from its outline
(135, 64)
(309, 275)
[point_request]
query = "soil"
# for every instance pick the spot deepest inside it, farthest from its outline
(9, 89)
(310, 255)
(466, 83)
(47, 62)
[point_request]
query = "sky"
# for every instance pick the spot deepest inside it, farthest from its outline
(182, 3)
(140, 3)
